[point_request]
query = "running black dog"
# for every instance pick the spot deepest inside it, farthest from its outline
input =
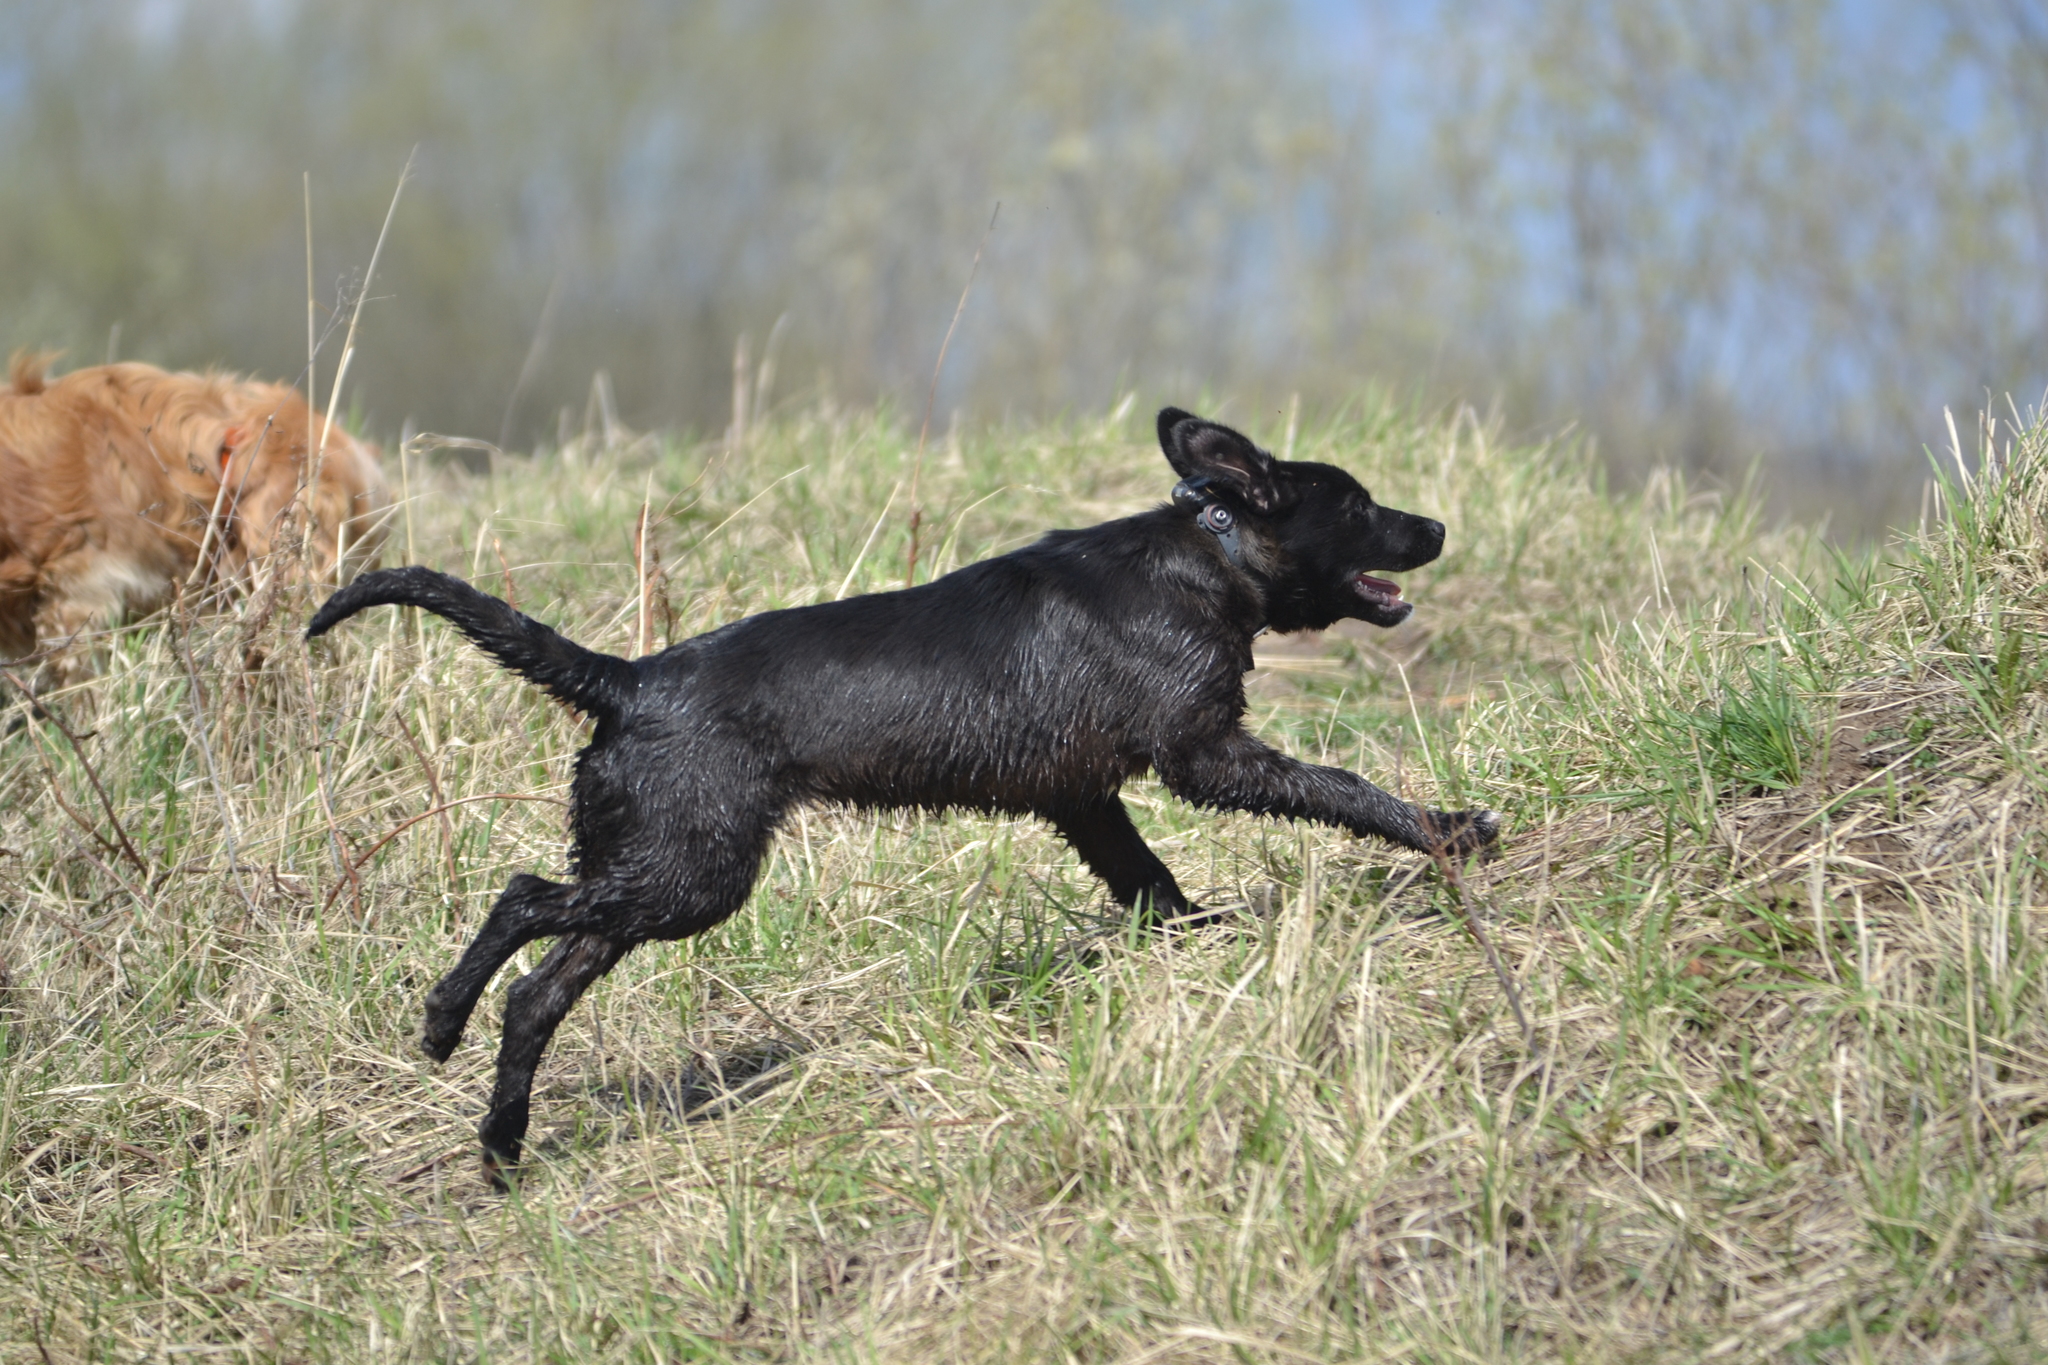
(1036, 682)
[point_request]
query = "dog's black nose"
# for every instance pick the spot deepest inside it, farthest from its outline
(1433, 531)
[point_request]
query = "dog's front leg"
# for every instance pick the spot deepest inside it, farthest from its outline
(1102, 833)
(1239, 772)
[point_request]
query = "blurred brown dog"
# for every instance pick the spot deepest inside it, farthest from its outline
(116, 480)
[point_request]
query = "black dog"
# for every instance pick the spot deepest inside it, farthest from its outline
(1038, 681)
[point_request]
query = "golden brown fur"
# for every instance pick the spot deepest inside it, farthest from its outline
(113, 478)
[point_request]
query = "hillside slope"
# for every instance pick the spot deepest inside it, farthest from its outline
(1771, 898)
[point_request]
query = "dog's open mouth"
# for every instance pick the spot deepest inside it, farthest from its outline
(1377, 591)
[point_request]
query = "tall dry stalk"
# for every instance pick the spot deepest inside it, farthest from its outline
(932, 394)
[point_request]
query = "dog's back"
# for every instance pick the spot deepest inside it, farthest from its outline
(66, 461)
(1027, 679)
(115, 478)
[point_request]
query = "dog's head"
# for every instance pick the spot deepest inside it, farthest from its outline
(236, 449)
(262, 458)
(1310, 533)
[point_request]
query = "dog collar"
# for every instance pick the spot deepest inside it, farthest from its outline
(1211, 515)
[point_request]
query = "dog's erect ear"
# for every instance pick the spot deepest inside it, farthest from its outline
(1199, 449)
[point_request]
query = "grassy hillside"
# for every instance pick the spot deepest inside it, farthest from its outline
(1771, 895)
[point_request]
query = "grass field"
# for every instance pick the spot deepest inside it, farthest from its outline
(1772, 894)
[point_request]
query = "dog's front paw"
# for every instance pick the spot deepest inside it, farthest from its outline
(1461, 833)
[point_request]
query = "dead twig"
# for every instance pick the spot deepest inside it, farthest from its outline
(511, 593)
(110, 873)
(932, 394)
(417, 1171)
(795, 1035)
(1475, 924)
(433, 790)
(107, 845)
(403, 825)
(127, 849)
(348, 340)
(642, 636)
(220, 791)
(256, 617)
(317, 751)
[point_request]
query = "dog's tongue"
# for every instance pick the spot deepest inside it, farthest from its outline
(1377, 587)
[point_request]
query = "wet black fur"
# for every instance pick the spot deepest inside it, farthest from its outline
(1035, 682)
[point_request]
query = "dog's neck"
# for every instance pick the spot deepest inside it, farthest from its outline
(1212, 516)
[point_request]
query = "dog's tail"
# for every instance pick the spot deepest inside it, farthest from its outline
(597, 684)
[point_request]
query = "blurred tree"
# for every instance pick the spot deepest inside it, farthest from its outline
(1761, 225)
(1711, 231)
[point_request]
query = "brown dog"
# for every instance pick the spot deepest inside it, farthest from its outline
(116, 480)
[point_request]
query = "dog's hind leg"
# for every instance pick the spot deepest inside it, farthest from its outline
(534, 1008)
(530, 908)
(675, 878)
(1102, 833)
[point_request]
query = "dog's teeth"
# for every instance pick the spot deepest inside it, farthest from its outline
(1379, 587)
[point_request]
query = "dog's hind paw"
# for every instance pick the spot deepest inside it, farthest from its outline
(1462, 833)
(501, 1171)
(438, 1048)
(1194, 917)
(438, 1033)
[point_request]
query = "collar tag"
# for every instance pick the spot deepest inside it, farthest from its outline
(1212, 516)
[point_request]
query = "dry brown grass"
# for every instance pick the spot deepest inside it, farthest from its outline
(1771, 894)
